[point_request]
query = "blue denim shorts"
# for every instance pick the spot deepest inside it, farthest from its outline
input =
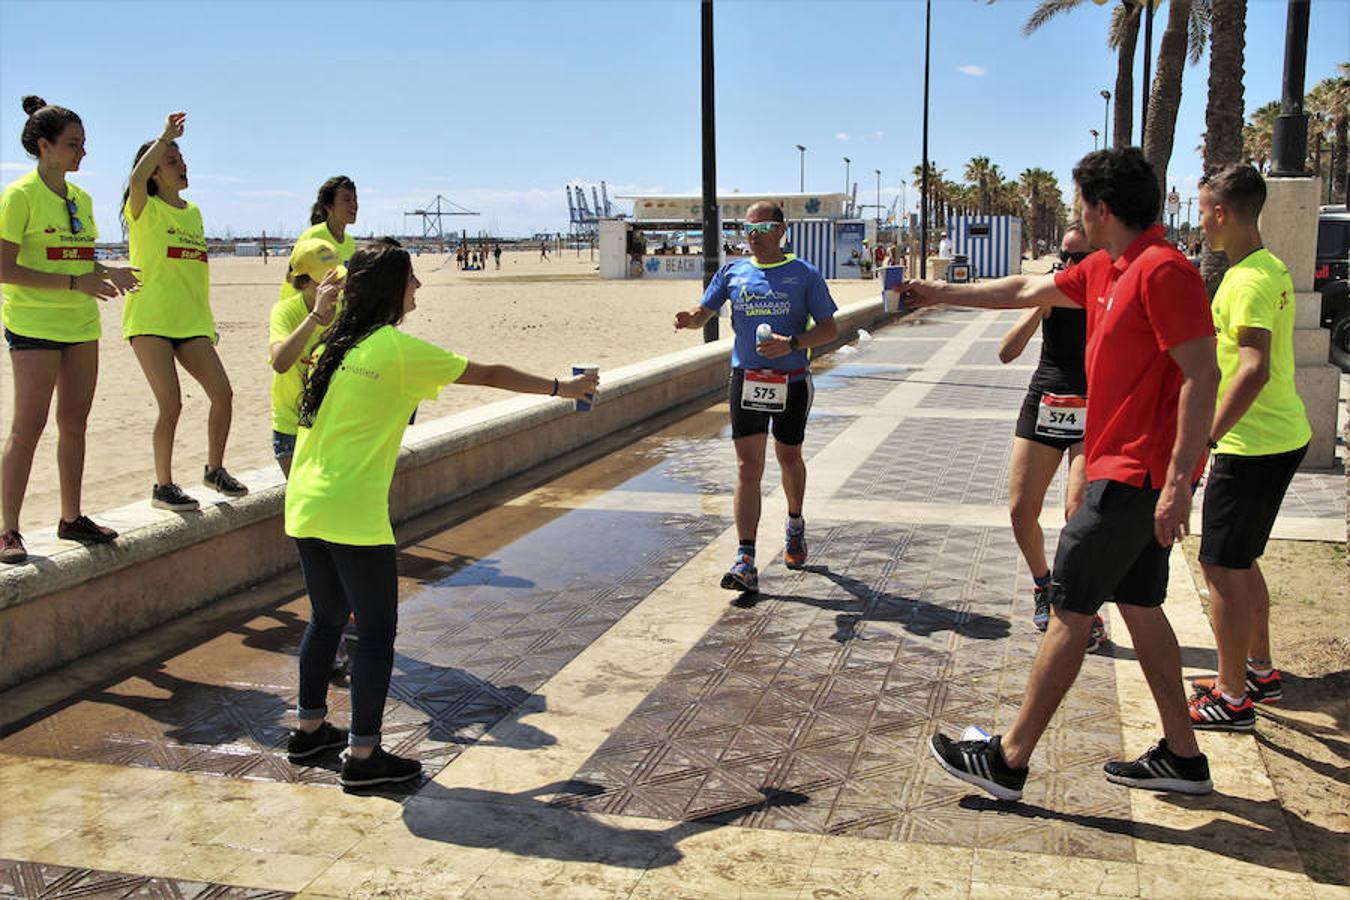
(283, 445)
(24, 342)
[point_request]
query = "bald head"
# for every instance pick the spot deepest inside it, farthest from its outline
(764, 211)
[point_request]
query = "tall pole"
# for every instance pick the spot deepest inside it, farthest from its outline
(923, 206)
(712, 224)
(1290, 140)
(846, 162)
(1106, 120)
(801, 184)
(878, 238)
(1093, 132)
(1148, 64)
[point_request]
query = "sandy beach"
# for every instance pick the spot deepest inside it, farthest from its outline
(541, 316)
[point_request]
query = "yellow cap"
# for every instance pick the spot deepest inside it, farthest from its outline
(315, 257)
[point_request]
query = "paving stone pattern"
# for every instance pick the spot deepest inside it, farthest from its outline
(978, 389)
(828, 687)
(471, 648)
(984, 352)
(926, 460)
(34, 880)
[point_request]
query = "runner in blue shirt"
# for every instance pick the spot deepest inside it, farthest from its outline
(770, 379)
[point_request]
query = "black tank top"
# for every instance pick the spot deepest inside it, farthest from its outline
(1064, 340)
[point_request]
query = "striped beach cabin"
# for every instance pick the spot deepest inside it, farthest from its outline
(993, 244)
(813, 241)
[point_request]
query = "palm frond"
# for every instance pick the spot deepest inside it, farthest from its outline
(1045, 11)
(1197, 34)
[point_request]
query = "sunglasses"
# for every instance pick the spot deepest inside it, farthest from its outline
(760, 227)
(1077, 257)
(75, 224)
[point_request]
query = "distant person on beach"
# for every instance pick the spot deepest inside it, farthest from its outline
(296, 326)
(945, 247)
(51, 287)
(1051, 424)
(1152, 379)
(1259, 438)
(497, 255)
(543, 251)
(368, 378)
(770, 385)
(168, 318)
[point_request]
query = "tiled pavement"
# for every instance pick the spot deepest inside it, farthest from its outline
(596, 719)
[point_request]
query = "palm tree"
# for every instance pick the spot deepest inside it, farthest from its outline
(1258, 135)
(1040, 192)
(1223, 112)
(1184, 38)
(1122, 37)
(977, 173)
(1328, 106)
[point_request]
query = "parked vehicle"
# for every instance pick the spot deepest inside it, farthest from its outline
(1331, 274)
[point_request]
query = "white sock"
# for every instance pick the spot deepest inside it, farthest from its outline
(1232, 701)
(796, 521)
(1264, 673)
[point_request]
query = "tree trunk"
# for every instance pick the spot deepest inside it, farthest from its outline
(1165, 96)
(1122, 125)
(1223, 113)
(1339, 181)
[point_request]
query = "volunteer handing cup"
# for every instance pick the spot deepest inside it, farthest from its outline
(892, 277)
(584, 369)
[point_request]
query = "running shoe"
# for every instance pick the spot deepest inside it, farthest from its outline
(742, 576)
(1097, 636)
(171, 496)
(1260, 688)
(306, 744)
(1211, 712)
(1040, 616)
(11, 548)
(794, 546)
(981, 763)
(223, 482)
(379, 767)
(1162, 770)
(85, 530)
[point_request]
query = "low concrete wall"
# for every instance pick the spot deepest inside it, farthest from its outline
(75, 600)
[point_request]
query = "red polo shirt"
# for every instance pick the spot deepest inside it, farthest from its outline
(1139, 307)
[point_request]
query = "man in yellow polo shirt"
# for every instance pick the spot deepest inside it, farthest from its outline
(1259, 437)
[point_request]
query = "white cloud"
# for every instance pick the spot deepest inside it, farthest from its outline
(841, 135)
(974, 70)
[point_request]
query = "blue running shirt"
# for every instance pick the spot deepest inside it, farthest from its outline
(784, 294)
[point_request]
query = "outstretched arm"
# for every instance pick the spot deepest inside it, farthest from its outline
(1012, 292)
(509, 378)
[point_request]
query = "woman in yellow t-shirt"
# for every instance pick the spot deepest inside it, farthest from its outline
(169, 318)
(52, 283)
(334, 209)
(366, 381)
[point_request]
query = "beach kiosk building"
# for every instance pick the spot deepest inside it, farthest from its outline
(664, 236)
(992, 244)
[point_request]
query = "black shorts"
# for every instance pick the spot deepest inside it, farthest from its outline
(24, 342)
(789, 426)
(175, 342)
(1026, 424)
(1242, 498)
(1108, 551)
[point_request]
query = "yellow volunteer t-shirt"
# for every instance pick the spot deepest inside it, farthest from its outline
(345, 247)
(168, 245)
(37, 219)
(338, 490)
(287, 314)
(1257, 292)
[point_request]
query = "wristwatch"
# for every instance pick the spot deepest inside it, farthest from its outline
(793, 343)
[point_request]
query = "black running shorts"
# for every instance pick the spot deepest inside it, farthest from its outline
(789, 426)
(1026, 424)
(1242, 498)
(1107, 551)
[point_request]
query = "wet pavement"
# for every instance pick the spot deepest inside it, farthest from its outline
(596, 717)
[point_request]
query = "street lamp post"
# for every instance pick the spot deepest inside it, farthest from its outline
(801, 185)
(1290, 138)
(1106, 120)
(923, 205)
(712, 219)
(846, 162)
(878, 171)
(1095, 135)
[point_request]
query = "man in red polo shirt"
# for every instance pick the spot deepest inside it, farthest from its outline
(1152, 379)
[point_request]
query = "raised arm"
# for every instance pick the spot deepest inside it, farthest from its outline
(1015, 341)
(1013, 292)
(285, 353)
(509, 378)
(139, 181)
(693, 318)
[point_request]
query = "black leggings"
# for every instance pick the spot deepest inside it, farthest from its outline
(343, 579)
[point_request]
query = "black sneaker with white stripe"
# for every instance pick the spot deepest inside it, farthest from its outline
(979, 763)
(1162, 770)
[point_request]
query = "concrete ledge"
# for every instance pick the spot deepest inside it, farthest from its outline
(68, 601)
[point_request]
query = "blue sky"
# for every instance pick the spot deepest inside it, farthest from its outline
(498, 105)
